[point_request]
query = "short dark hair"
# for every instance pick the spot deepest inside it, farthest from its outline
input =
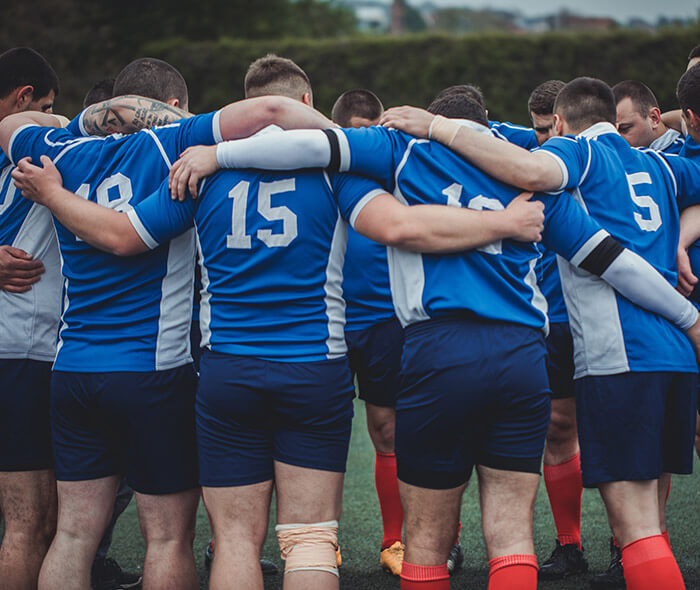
(278, 76)
(584, 102)
(356, 103)
(640, 95)
(101, 90)
(694, 52)
(688, 90)
(22, 66)
(473, 92)
(541, 101)
(152, 78)
(459, 106)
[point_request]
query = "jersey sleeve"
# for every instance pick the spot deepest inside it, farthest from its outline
(368, 151)
(175, 138)
(573, 155)
(517, 134)
(158, 219)
(686, 177)
(569, 230)
(35, 141)
(352, 193)
(76, 126)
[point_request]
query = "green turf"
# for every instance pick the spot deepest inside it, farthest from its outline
(360, 530)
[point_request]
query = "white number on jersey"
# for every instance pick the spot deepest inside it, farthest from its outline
(653, 222)
(453, 192)
(480, 203)
(123, 184)
(239, 193)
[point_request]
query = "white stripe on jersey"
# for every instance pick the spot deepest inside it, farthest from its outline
(362, 202)
(588, 247)
(141, 230)
(173, 342)
(160, 147)
(406, 273)
(333, 287)
(538, 300)
(599, 345)
(344, 149)
(204, 305)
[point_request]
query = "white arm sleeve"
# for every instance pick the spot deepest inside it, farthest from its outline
(634, 278)
(286, 150)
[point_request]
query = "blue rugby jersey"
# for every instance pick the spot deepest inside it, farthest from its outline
(670, 142)
(632, 193)
(495, 282)
(28, 321)
(121, 314)
(272, 247)
(523, 136)
(549, 282)
(691, 150)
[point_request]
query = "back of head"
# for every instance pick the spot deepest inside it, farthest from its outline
(641, 96)
(473, 92)
(152, 78)
(694, 52)
(276, 76)
(688, 90)
(584, 102)
(22, 66)
(101, 90)
(459, 106)
(359, 103)
(541, 101)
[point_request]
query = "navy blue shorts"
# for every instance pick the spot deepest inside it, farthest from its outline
(25, 431)
(474, 392)
(560, 360)
(375, 357)
(635, 426)
(251, 412)
(137, 424)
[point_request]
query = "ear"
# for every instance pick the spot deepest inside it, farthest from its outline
(692, 119)
(655, 117)
(173, 102)
(307, 99)
(23, 97)
(558, 126)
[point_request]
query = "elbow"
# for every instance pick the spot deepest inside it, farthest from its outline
(533, 177)
(118, 245)
(403, 234)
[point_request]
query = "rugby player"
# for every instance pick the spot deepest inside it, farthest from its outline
(440, 434)
(275, 383)
(28, 327)
(639, 118)
(119, 349)
(622, 380)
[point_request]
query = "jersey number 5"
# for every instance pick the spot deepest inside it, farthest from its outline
(653, 222)
(239, 193)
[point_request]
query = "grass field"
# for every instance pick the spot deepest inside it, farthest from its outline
(360, 531)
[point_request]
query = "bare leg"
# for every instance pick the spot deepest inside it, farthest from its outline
(84, 510)
(381, 422)
(697, 436)
(239, 518)
(308, 496)
(431, 522)
(562, 438)
(664, 485)
(507, 506)
(28, 506)
(168, 527)
(633, 509)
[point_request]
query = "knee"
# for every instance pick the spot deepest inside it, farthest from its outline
(382, 433)
(309, 547)
(562, 428)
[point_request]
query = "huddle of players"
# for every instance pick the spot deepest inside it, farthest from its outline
(270, 325)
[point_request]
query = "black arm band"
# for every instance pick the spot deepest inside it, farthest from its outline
(602, 256)
(334, 165)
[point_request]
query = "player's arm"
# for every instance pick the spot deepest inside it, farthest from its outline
(101, 227)
(673, 120)
(689, 234)
(11, 123)
(533, 171)
(439, 228)
(18, 271)
(127, 114)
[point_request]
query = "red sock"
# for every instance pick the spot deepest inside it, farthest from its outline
(424, 577)
(389, 500)
(513, 572)
(459, 529)
(564, 488)
(649, 565)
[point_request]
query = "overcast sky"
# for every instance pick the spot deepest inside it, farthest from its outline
(618, 9)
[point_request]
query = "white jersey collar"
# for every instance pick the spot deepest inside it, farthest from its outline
(598, 129)
(665, 140)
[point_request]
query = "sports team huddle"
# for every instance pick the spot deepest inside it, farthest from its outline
(189, 304)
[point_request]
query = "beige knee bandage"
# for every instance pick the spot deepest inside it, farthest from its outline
(308, 546)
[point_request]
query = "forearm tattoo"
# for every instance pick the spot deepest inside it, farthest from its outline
(127, 114)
